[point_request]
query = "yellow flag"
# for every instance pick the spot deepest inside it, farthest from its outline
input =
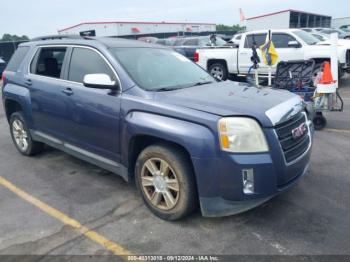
(269, 53)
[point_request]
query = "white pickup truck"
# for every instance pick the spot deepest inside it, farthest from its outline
(291, 44)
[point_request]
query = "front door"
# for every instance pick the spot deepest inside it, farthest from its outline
(286, 52)
(96, 112)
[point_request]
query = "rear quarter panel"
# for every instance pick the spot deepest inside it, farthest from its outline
(225, 53)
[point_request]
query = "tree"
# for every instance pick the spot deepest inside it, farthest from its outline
(236, 28)
(14, 38)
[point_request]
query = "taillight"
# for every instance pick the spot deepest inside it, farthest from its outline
(196, 57)
(3, 76)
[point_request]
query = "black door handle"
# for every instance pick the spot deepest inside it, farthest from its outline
(28, 82)
(68, 91)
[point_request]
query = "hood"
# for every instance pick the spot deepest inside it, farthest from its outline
(269, 106)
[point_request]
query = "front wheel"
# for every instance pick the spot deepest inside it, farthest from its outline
(165, 180)
(219, 71)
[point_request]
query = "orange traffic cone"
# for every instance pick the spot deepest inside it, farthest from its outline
(327, 77)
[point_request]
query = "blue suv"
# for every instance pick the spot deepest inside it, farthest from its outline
(154, 117)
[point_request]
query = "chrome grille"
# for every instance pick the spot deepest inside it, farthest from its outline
(292, 147)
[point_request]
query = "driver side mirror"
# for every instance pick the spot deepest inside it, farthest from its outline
(294, 44)
(99, 81)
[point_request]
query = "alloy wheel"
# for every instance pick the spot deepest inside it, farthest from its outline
(217, 72)
(160, 184)
(20, 135)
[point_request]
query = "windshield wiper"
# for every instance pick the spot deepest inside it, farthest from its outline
(201, 83)
(164, 89)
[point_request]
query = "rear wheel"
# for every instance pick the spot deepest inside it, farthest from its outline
(21, 136)
(219, 71)
(165, 180)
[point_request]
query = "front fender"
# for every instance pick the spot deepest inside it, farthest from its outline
(21, 95)
(198, 140)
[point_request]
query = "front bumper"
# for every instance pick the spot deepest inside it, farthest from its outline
(220, 180)
(219, 207)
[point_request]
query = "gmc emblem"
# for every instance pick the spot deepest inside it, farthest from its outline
(299, 131)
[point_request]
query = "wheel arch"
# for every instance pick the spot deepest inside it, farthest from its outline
(139, 142)
(142, 129)
(12, 106)
(210, 62)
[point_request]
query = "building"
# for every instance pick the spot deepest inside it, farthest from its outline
(288, 19)
(119, 28)
(341, 23)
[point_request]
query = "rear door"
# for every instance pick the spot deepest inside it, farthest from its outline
(96, 112)
(245, 52)
(50, 108)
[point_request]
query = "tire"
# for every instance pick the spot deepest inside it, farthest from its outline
(21, 136)
(319, 122)
(219, 71)
(153, 186)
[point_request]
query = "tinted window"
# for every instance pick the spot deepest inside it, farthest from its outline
(48, 62)
(86, 61)
(259, 39)
(238, 37)
(282, 40)
(17, 58)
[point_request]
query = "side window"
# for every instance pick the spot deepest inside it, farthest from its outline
(48, 61)
(238, 37)
(86, 61)
(282, 40)
(17, 58)
(259, 39)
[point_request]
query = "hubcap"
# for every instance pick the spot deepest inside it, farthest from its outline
(160, 184)
(217, 72)
(20, 135)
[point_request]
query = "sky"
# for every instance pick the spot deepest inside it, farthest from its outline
(42, 17)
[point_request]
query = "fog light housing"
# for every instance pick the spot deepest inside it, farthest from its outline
(248, 181)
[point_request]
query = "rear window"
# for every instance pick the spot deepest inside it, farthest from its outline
(17, 58)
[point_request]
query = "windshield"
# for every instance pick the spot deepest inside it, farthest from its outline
(160, 69)
(306, 37)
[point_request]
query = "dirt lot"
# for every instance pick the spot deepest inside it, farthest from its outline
(311, 218)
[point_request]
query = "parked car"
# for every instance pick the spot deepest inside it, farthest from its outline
(187, 46)
(325, 40)
(236, 39)
(291, 44)
(154, 117)
(166, 41)
(148, 39)
(313, 30)
(2, 66)
(341, 33)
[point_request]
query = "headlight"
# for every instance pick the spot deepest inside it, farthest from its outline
(241, 135)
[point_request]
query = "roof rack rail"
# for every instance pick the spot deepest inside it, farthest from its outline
(58, 37)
